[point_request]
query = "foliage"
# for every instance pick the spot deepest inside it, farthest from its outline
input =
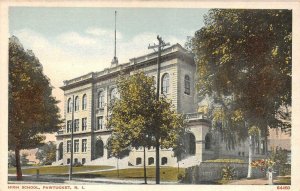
(138, 119)
(46, 154)
(280, 157)
(263, 164)
(226, 160)
(244, 60)
(228, 173)
(32, 108)
(11, 159)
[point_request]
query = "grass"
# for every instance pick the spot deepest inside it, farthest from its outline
(57, 169)
(283, 180)
(166, 173)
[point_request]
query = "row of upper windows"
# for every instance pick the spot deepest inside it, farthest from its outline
(165, 89)
(76, 145)
(76, 103)
(99, 124)
(76, 125)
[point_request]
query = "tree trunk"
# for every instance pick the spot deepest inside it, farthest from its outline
(118, 167)
(18, 164)
(157, 162)
(145, 169)
(250, 157)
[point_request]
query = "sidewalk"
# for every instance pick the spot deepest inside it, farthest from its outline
(259, 181)
(46, 179)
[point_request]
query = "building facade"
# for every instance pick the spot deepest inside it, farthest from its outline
(93, 92)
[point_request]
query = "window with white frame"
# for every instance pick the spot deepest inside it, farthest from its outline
(187, 85)
(165, 84)
(76, 146)
(84, 102)
(101, 99)
(76, 124)
(83, 123)
(68, 146)
(83, 145)
(99, 123)
(76, 103)
(69, 108)
(69, 126)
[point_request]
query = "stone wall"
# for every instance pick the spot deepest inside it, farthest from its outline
(212, 171)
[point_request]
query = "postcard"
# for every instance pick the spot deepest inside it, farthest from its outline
(151, 95)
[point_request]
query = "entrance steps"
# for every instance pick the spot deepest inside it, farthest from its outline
(57, 163)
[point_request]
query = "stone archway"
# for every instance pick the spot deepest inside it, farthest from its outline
(60, 151)
(99, 149)
(190, 142)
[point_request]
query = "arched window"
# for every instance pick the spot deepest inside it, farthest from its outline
(101, 99)
(69, 109)
(164, 160)
(113, 95)
(190, 142)
(207, 141)
(165, 83)
(150, 160)
(138, 161)
(99, 149)
(187, 85)
(84, 102)
(76, 103)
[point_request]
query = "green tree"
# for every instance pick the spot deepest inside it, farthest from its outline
(246, 55)
(32, 109)
(46, 154)
(139, 120)
(244, 60)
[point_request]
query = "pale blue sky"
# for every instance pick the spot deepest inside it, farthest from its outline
(70, 42)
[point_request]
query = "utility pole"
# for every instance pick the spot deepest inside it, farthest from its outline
(72, 137)
(160, 46)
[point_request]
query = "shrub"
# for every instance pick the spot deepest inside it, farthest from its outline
(180, 177)
(228, 173)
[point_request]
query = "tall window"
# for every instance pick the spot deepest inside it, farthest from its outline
(165, 83)
(76, 103)
(187, 85)
(76, 146)
(84, 102)
(84, 142)
(99, 123)
(69, 109)
(69, 126)
(76, 121)
(83, 121)
(101, 99)
(68, 146)
(113, 95)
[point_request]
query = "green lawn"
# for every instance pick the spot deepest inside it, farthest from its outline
(57, 169)
(283, 180)
(166, 173)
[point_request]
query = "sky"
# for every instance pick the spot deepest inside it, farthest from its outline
(70, 42)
